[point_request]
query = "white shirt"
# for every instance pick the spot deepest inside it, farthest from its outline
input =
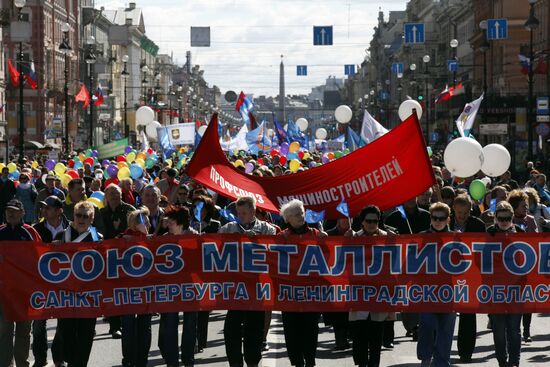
(55, 230)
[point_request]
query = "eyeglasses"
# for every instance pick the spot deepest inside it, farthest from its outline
(81, 216)
(504, 219)
(438, 218)
(371, 221)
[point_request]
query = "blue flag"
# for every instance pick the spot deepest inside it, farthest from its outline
(164, 141)
(228, 215)
(353, 140)
(314, 217)
(198, 138)
(402, 211)
(257, 139)
(493, 206)
(281, 133)
(343, 208)
(197, 210)
(294, 134)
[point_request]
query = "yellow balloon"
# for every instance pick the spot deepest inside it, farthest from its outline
(293, 147)
(96, 202)
(294, 165)
(2, 165)
(121, 165)
(169, 162)
(306, 155)
(141, 162)
(82, 157)
(131, 157)
(123, 173)
(141, 155)
(12, 167)
(238, 163)
(65, 179)
(60, 169)
(34, 164)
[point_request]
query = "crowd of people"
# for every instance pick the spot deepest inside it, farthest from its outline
(39, 206)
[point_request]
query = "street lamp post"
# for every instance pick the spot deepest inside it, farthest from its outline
(145, 70)
(412, 67)
(454, 45)
(66, 49)
(19, 4)
(90, 59)
(426, 60)
(125, 74)
(484, 47)
(531, 24)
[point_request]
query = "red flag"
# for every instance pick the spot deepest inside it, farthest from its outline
(197, 121)
(83, 96)
(240, 101)
(98, 97)
(30, 77)
(449, 93)
(14, 74)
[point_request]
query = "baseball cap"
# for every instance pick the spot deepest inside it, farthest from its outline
(14, 204)
(53, 201)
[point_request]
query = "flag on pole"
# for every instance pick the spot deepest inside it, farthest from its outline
(30, 77)
(371, 129)
(466, 120)
(281, 133)
(401, 210)
(258, 140)
(83, 96)
(449, 92)
(164, 141)
(14, 74)
(313, 217)
(245, 107)
(238, 142)
(98, 96)
(343, 208)
(353, 140)
(144, 140)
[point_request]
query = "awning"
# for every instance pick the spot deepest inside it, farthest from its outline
(52, 146)
(31, 144)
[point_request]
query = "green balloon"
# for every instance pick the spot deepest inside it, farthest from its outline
(477, 189)
(88, 153)
(149, 162)
(430, 151)
(346, 151)
(338, 154)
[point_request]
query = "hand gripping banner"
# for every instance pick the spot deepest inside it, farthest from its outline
(386, 173)
(415, 273)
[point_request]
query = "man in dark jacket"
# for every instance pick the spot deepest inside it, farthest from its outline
(7, 191)
(15, 230)
(411, 219)
(49, 190)
(54, 223)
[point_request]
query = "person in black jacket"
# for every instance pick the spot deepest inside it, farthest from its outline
(78, 333)
(7, 191)
(413, 220)
(463, 221)
(54, 222)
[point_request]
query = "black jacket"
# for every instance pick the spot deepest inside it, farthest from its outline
(45, 233)
(473, 224)
(419, 221)
(494, 229)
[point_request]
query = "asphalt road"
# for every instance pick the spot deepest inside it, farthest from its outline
(107, 352)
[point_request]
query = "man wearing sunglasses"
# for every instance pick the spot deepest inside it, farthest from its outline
(435, 331)
(506, 327)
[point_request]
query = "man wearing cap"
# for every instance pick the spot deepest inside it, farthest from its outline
(49, 190)
(169, 186)
(54, 223)
(15, 230)
(7, 191)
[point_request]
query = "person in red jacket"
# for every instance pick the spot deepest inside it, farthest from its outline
(15, 230)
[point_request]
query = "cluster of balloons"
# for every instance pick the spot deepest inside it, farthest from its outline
(464, 157)
(97, 198)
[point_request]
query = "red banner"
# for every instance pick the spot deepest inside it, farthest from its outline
(386, 173)
(430, 272)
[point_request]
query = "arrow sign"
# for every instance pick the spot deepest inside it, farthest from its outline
(301, 70)
(497, 29)
(452, 65)
(349, 69)
(397, 68)
(414, 33)
(322, 35)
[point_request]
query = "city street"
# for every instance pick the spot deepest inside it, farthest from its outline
(107, 352)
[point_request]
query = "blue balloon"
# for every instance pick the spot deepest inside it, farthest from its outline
(77, 164)
(136, 171)
(98, 195)
(291, 156)
(14, 175)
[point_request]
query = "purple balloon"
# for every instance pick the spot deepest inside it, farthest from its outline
(105, 162)
(50, 164)
(248, 168)
(284, 148)
(95, 153)
(112, 170)
(312, 164)
(128, 149)
(325, 159)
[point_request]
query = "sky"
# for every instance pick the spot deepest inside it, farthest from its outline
(248, 38)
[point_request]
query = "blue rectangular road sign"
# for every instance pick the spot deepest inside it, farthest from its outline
(397, 68)
(414, 33)
(349, 69)
(542, 106)
(497, 29)
(301, 70)
(452, 65)
(322, 35)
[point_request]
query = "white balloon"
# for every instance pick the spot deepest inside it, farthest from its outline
(496, 160)
(463, 157)
(486, 180)
(144, 116)
(285, 127)
(321, 133)
(151, 130)
(343, 114)
(302, 124)
(406, 109)
(270, 133)
(201, 130)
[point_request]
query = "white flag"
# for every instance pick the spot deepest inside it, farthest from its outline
(371, 129)
(466, 120)
(238, 142)
(144, 141)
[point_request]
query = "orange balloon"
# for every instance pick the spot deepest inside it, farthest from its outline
(330, 155)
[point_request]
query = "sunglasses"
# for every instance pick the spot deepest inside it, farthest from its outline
(439, 219)
(81, 216)
(504, 219)
(371, 221)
